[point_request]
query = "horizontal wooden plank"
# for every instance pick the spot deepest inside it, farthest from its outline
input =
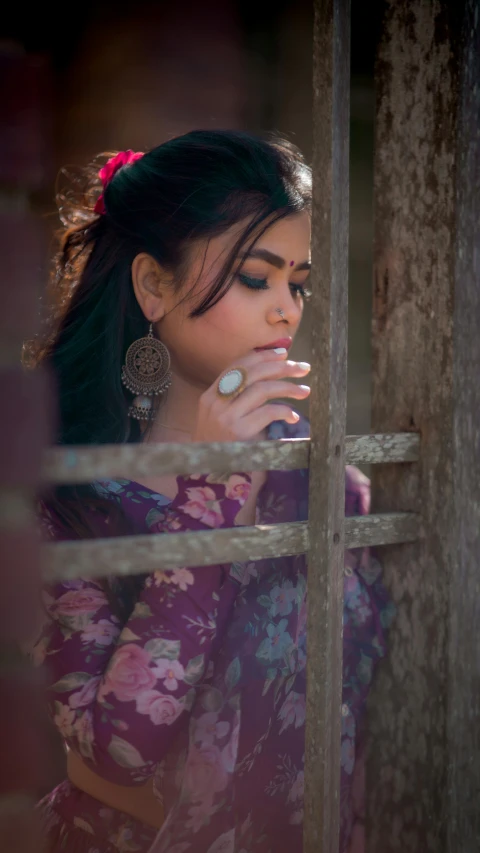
(135, 461)
(375, 449)
(127, 555)
(388, 528)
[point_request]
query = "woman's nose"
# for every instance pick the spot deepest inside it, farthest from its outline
(287, 310)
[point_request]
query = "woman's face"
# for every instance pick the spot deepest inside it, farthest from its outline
(246, 318)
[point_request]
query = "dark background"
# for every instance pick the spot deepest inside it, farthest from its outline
(111, 75)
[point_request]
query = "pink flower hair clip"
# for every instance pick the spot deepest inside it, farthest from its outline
(111, 167)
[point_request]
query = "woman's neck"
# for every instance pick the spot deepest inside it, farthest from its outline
(176, 417)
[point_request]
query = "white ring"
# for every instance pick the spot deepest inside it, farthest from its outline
(232, 382)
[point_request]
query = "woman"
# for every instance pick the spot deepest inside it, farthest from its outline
(181, 695)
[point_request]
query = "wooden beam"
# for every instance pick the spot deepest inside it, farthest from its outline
(128, 555)
(85, 464)
(331, 104)
(424, 758)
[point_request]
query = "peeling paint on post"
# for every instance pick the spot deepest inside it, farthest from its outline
(331, 86)
(422, 707)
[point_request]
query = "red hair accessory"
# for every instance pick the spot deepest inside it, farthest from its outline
(111, 167)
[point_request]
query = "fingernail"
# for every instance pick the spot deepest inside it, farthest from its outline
(304, 365)
(296, 417)
(280, 350)
(304, 387)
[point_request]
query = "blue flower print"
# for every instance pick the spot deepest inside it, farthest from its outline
(161, 500)
(283, 598)
(109, 487)
(347, 755)
(276, 644)
(364, 669)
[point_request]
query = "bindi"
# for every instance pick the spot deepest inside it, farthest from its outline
(292, 263)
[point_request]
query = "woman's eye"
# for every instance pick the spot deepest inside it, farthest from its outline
(303, 291)
(261, 284)
(253, 283)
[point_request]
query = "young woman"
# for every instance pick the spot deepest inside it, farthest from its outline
(180, 695)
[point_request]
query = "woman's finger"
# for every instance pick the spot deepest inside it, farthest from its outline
(280, 370)
(256, 395)
(256, 421)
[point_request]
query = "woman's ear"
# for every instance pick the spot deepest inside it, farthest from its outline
(149, 286)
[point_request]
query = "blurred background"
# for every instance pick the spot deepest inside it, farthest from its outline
(113, 75)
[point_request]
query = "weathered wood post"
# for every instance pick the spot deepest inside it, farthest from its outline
(423, 775)
(331, 114)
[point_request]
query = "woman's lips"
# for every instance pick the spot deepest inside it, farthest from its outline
(282, 342)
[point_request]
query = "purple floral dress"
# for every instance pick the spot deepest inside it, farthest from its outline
(202, 688)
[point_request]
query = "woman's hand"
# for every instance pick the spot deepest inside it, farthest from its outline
(243, 417)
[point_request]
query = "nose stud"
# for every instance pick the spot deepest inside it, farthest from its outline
(280, 312)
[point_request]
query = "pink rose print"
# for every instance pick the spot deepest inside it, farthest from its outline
(202, 504)
(162, 709)
(129, 673)
(86, 694)
(208, 728)
(205, 774)
(103, 632)
(292, 711)
(237, 488)
(79, 601)
(183, 578)
(64, 719)
(171, 672)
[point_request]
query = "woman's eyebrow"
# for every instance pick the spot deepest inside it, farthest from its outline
(274, 260)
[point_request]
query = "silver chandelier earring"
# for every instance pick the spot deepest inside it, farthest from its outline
(146, 373)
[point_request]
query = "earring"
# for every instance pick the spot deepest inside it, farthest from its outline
(146, 373)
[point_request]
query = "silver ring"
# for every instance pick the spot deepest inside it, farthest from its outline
(279, 311)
